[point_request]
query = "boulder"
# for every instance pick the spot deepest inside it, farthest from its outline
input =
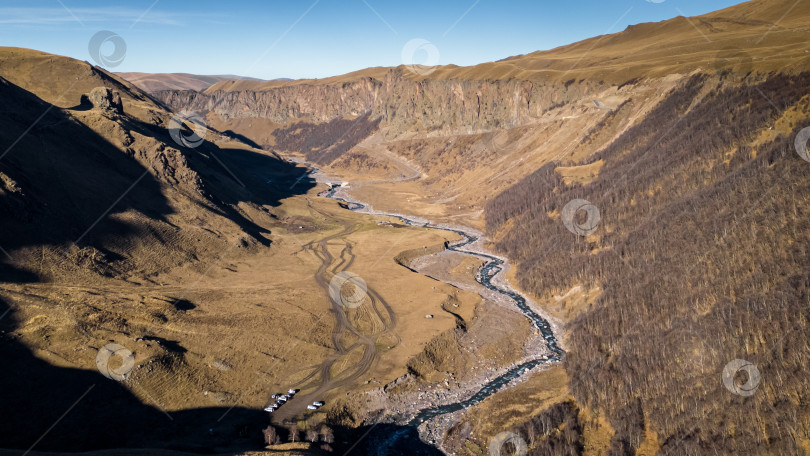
(106, 99)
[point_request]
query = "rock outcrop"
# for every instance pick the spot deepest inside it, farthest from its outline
(106, 99)
(399, 101)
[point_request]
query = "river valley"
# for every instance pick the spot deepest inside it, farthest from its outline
(428, 418)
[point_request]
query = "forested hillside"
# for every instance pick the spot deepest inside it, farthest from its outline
(701, 252)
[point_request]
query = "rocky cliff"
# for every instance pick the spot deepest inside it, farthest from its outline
(518, 90)
(399, 101)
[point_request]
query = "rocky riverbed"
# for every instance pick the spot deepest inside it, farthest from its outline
(435, 407)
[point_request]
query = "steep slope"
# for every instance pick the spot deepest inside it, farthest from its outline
(682, 134)
(124, 147)
(62, 81)
(699, 261)
(493, 94)
(99, 207)
(210, 263)
(462, 126)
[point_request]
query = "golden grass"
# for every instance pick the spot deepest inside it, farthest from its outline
(509, 409)
(677, 45)
(582, 174)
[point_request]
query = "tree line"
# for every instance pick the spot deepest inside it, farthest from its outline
(702, 255)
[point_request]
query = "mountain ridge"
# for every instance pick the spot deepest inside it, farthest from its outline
(152, 82)
(679, 135)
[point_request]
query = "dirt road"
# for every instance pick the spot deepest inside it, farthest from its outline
(356, 330)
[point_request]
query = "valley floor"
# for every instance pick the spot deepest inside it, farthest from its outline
(222, 336)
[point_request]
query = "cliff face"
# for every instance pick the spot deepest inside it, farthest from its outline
(517, 91)
(460, 131)
(398, 101)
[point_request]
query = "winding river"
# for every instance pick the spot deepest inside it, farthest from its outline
(491, 268)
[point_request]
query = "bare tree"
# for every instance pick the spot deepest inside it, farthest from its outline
(293, 428)
(312, 435)
(327, 435)
(271, 436)
(697, 260)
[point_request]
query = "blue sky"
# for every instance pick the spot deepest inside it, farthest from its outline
(308, 38)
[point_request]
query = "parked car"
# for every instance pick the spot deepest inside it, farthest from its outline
(312, 407)
(318, 404)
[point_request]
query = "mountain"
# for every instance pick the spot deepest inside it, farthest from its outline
(106, 224)
(475, 111)
(95, 124)
(683, 136)
(163, 277)
(153, 82)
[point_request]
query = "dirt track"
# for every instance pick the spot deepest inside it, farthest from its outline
(356, 330)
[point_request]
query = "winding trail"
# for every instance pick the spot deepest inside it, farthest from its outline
(359, 355)
(491, 268)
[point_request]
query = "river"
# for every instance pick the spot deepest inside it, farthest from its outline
(491, 268)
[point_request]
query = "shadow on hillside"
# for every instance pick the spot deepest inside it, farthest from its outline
(62, 183)
(71, 410)
(241, 137)
(102, 413)
(326, 142)
(233, 175)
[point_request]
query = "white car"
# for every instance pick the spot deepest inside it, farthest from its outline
(318, 404)
(270, 408)
(282, 399)
(312, 407)
(291, 391)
